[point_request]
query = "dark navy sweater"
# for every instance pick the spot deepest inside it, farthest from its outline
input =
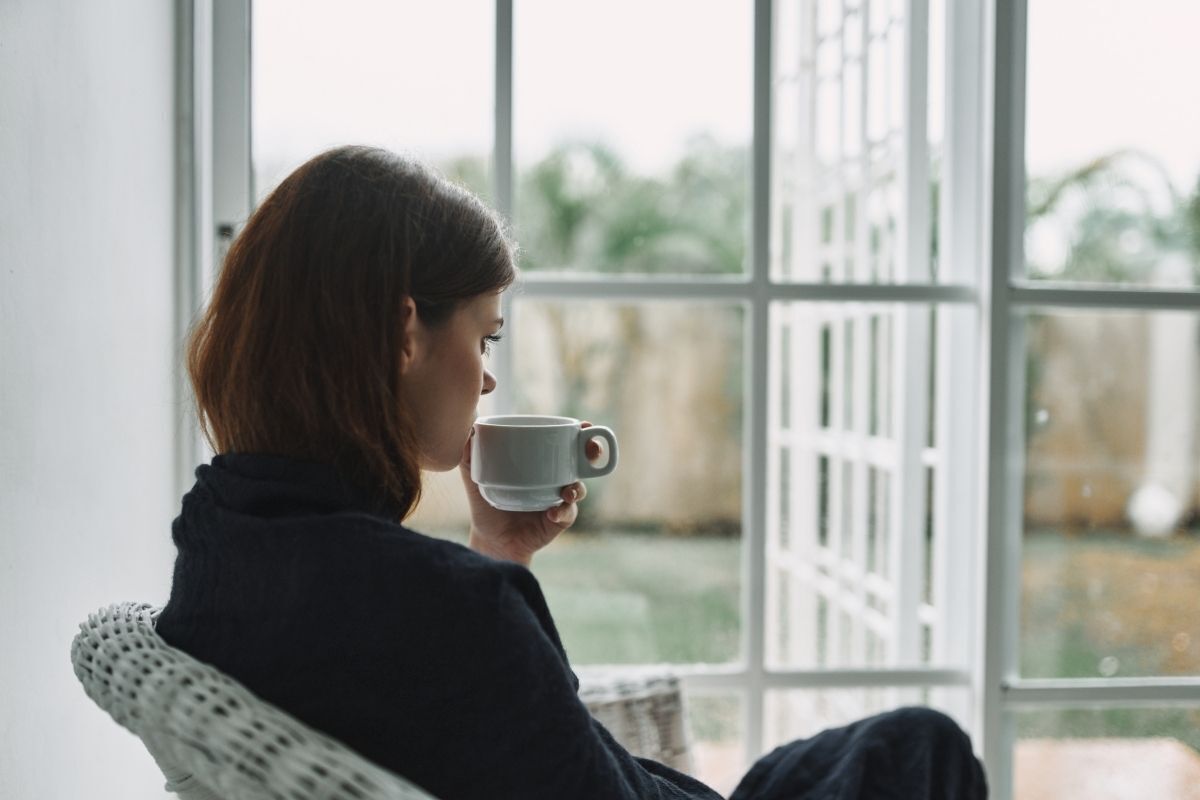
(425, 657)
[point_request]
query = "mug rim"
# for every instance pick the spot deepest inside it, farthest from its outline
(526, 421)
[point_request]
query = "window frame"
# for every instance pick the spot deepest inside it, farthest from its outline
(982, 224)
(1010, 297)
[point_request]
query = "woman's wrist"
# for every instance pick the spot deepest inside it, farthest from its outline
(483, 545)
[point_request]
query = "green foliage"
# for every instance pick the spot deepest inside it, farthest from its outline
(1106, 595)
(558, 200)
(1115, 219)
(581, 209)
(469, 172)
(1191, 219)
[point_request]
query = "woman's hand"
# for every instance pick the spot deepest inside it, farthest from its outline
(517, 535)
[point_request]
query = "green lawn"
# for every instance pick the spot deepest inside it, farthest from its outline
(1106, 603)
(1110, 604)
(1093, 604)
(630, 598)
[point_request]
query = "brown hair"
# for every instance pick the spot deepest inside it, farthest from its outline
(298, 354)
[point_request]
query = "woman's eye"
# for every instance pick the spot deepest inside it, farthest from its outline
(488, 341)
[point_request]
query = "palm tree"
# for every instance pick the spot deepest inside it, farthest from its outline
(580, 209)
(1115, 218)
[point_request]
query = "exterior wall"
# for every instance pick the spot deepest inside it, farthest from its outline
(87, 361)
(1096, 405)
(1092, 414)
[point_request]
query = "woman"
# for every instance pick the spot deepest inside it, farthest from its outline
(344, 351)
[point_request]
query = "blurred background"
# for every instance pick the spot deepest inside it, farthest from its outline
(631, 157)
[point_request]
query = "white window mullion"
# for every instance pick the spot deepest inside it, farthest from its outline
(502, 142)
(1045, 295)
(712, 678)
(955, 564)
(957, 545)
(232, 184)
(502, 188)
(911, 345)
(805, 322)
(907, 525)
(776, 375)
(858, 432)
(807, 231)
(960, 229)
(227, 198)
(1171, 692)
(862, 246)
(912, 246)
(838, 537)
(1001, 471)
(754, 447)
(194, 243)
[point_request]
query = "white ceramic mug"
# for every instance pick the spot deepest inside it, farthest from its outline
(521, 462)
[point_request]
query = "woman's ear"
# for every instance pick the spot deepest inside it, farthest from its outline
(413, 332)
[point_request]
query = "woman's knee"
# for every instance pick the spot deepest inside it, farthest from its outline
(927, 724)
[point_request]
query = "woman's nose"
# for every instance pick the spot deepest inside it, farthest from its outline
(489, 382)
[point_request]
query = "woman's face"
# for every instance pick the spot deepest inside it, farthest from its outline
(443, 377)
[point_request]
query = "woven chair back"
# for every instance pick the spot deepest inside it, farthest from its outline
(210, 736)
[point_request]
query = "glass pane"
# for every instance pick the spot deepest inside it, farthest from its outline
(800, 713)
(631, 136)
(1107, 754)
(1111, 132)
(841, 489)
(717, 738)
(1111, 564)
(361, 74)
(837, 146)
(651, 570)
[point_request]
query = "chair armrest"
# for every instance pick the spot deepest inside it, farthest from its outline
(180, 781)
(644, 711)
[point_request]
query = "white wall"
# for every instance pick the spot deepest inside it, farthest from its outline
(87, 358)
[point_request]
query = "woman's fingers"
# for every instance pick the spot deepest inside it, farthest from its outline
(564, 515)
(593, 446)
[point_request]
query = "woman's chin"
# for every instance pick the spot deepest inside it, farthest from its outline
(442, 462)
(447, 459)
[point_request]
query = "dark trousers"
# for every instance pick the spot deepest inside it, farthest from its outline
(906, 754)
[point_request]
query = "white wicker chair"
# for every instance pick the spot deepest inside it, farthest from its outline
(214, 740)
(643, 710)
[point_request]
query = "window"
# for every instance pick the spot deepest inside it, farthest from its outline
(1100, 318)
(889, 437)
(359, 74)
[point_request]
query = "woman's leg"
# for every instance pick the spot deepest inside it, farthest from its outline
(906, 754)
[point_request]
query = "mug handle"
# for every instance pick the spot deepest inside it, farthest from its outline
(586, 470)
